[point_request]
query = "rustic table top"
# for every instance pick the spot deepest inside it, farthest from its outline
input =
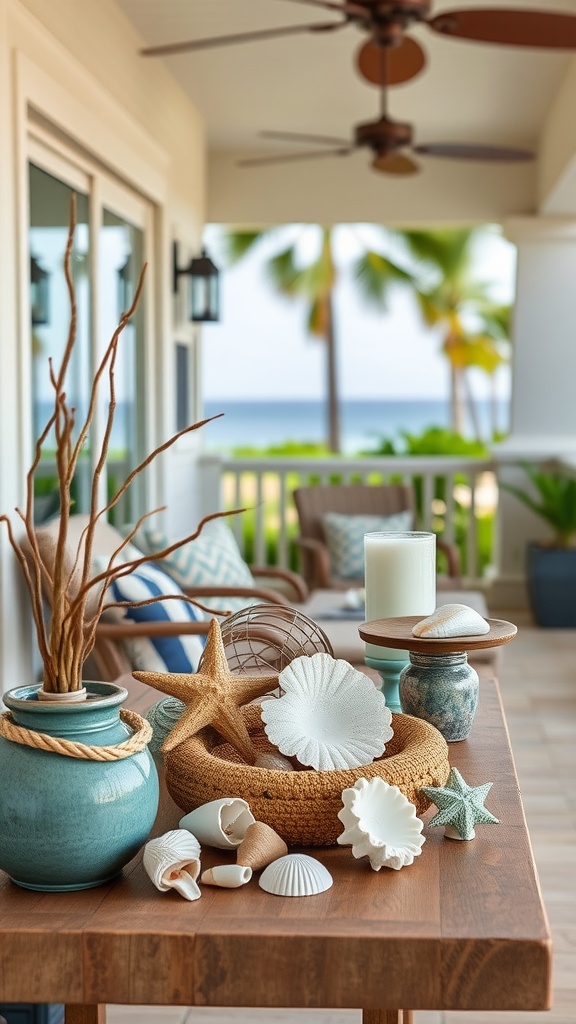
(461, 928)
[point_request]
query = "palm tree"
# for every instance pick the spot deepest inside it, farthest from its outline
(473, 326)
(315, 281)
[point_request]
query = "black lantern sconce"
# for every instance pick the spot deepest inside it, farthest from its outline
(39, 293)
(204, 286)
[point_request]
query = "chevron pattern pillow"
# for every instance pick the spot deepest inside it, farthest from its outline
(345, 539)
(157, 654)
(213, 558)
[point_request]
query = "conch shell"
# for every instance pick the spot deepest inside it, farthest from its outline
(451, 620)
(172, 861)
(260, 846)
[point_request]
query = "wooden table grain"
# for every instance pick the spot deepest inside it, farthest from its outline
(463, 928)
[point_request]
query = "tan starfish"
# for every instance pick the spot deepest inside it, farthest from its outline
(212, 697)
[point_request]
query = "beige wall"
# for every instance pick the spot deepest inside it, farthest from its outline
(345, 189)
(76, 62)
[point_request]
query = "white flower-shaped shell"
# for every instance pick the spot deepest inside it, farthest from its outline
(451, 620)
(329, 716)
(381, 824)
(296, 874)
(172, 861)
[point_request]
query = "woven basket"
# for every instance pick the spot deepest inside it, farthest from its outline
(302, 806)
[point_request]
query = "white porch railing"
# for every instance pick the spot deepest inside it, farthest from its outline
(453, 496)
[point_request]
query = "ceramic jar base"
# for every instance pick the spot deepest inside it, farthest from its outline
(443, 690)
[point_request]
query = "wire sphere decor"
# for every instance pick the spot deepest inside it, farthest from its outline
(267, 637)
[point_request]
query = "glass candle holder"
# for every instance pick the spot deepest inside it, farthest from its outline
(400, 579)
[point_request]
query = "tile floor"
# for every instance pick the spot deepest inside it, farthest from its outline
(537, 674)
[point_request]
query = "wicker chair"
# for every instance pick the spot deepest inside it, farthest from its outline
(353, 499)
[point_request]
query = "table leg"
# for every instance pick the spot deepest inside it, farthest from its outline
(85, 1013)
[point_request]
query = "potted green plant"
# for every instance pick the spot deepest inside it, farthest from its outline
(551, 564)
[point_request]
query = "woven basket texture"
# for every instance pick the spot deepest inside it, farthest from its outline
(302, 806)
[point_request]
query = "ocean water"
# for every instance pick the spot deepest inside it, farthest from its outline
(363, 423)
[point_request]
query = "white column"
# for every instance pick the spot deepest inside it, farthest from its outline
(16, 644)
(543, 414)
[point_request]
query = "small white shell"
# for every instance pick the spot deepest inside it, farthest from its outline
(329, 716)
(296, 874)
(381, 824)
(451, 620)
(172, 861)
(227, 876)
(274, 762)
(221, 823)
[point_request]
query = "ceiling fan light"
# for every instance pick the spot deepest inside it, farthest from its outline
(394, 163)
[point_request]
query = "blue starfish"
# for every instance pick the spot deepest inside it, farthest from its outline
(460, 806)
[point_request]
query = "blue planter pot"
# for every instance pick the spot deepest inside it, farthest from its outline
(69, 823)
(551, 574)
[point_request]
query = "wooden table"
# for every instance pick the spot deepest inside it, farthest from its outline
(462, 928)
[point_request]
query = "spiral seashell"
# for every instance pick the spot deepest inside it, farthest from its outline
(381, 824)
(329, 716)
(172, 861)
(227, 876)
(261, 845)
(296, 874)
(451, 620)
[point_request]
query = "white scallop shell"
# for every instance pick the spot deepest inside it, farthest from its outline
(296, 874)
(381, 824)
(451, 620)
(172, 861)
(330, 715)
(221, 823)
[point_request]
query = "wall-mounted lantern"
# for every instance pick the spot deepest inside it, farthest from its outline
(204, 286)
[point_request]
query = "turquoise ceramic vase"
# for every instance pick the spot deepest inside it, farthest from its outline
(67, 823)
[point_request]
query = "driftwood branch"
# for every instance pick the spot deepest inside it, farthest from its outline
(76, 596)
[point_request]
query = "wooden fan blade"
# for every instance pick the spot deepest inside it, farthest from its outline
(510, 27)
(329, 140)
(394, 163)
(390, 65)
(167, 49)
(262, 161)
(473, 151)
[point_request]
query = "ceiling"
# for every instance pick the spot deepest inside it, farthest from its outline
(468, 92)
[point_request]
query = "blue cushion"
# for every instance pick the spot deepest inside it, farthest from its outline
(158, 654)
(212, 559)
(345, 539)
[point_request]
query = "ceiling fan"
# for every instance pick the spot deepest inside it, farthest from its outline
(387, 139)
(386, 21)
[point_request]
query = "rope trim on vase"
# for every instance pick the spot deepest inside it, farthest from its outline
(56, 745)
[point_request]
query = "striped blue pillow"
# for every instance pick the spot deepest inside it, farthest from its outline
(158, 654)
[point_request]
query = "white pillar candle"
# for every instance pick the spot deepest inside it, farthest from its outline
(400, 579)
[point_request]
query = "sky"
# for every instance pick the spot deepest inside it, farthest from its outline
(261, 350)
